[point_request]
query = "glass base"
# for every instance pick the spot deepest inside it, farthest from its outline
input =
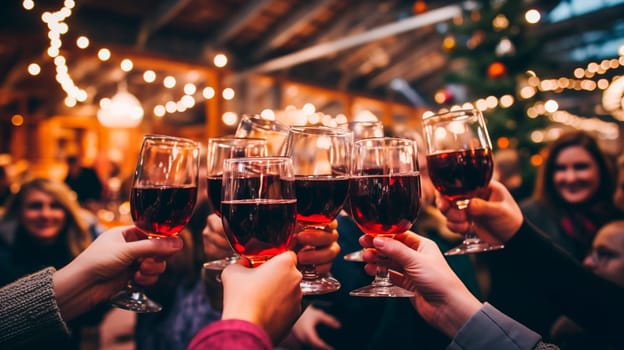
(135, 300)
(473, 246)
(390, 291)
(320, 285)
(357, 256)
(220, 264)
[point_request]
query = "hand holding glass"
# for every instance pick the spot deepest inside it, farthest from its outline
(322, 159)
(384, 196)
(459, 157)
(162, 199)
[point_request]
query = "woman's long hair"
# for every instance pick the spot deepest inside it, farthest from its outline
(545, 191)
(76, 233)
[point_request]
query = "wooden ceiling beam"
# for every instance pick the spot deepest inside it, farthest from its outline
(237, 22)
(162, 15)
(287, 29)
(324, 49)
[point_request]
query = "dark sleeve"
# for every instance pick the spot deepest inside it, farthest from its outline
(29, 313)
(592, 302)
(491, 329)
(231, 335)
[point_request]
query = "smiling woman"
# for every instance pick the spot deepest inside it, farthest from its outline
(43, 225)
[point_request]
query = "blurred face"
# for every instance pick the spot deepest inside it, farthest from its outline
(618, 197)
(607, 256)
(576, 176)
(42, 216)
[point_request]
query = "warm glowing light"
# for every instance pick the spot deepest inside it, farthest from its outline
(228, 93)
(208, 93)
(532, 16)
(170, 106)
(536, 160)
(506, 101)
(502, 142)
(82, 42)
(190, 88)
(220, 60)
(122, 111)
(104, 54)
(34, 69)
(70, 101)
(229, 118)
(126, 65)
(149, 76)
(28, 4)
(169, 82)
(17, 120)
(551, 106)
(159, 111)
(267, 114)
(308, 108)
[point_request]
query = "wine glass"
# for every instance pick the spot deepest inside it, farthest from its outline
(362, 129)
(321, 159)
(459, 157)
(220, 149)
(384, 196)
(255, 126)
(259, 206)
(162, 198)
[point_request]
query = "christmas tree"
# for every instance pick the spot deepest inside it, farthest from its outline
(492, 51)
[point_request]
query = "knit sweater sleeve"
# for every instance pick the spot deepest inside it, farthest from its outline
(28, 311)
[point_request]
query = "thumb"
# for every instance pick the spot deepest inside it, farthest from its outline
(154, 247)
(395, 250)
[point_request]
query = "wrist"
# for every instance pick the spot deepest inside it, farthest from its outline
(71, 288)
(454, 314)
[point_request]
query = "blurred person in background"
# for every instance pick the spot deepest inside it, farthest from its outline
(618, 196)
(5, 184)
(508, 170)
(606, 260)
(85, 182)
(572, 200)
(42, 226)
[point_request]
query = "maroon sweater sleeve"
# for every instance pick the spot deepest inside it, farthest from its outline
(231, 335)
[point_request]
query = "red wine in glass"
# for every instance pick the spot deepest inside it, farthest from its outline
(320, 198)
(215, 183)
(385, 204)
(460, 175)
(459, 157)
(162, 211)
(259, 228)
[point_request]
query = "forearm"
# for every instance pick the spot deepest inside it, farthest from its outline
(589, 300)
(29, 312)
(71, 288)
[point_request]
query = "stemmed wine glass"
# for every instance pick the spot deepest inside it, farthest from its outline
(384, 196)
(259, 206)
(220, 149)
(162, 198)
(459, 157)
(255, 126)
(322, 159)
(362, 129)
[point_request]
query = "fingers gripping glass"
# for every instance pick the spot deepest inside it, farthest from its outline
(322, 159)
(384, 196)
(162, 199)
(459, 157)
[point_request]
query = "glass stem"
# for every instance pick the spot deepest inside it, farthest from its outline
(382, 276)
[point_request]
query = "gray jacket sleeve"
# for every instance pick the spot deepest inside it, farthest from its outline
(491, 329)
(28, 311)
